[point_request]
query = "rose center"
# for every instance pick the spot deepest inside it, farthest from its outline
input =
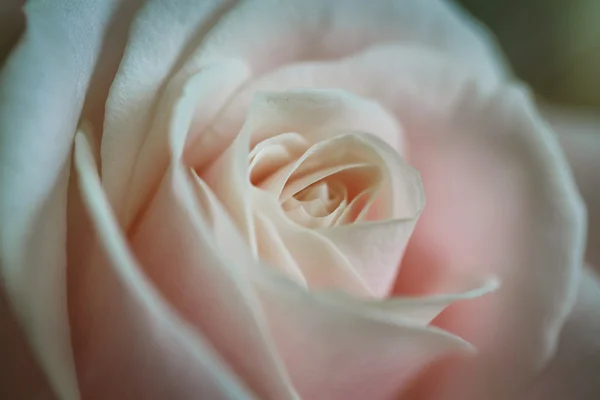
(332, 182)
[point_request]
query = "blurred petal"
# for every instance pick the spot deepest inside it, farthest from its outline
(579, 135)
(127, 342)
(573, 372)
(42, 89)
(268, 34)
(500, 200)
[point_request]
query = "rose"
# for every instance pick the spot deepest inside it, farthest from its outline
(140, 328)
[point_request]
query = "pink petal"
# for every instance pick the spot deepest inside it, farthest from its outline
(42, 90)
(127, 342)
(338, 352)
(500, 200)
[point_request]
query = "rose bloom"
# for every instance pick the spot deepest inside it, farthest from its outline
(286, 200)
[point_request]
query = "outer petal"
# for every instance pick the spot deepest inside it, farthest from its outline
(128, 343)
(579, 135)
(42, 89)
(574, 371)
(270, 33)
(501, 199)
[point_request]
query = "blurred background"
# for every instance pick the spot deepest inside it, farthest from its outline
(554, 45)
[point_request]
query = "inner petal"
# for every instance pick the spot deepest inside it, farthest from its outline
(272, 154)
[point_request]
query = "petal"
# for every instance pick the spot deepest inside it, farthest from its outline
(574, 370)
(209, 289)
(579, 135)
(417, 310)
(500, 200)
(375, 248)
(128, 343)
(268, 34)
(266, 109)
(160, 36)
(362, 354)
(186, 109)
(42, 89)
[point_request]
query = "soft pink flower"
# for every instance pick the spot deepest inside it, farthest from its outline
(226, 200)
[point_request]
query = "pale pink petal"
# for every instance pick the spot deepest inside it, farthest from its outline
(573, 372)
(336, 352)
(375, 248)
(212, 292)
(500, 200)
(417, 310)
(274, 252)
(579, 135)
(127, 342)
(316, 115)
(42, 88)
